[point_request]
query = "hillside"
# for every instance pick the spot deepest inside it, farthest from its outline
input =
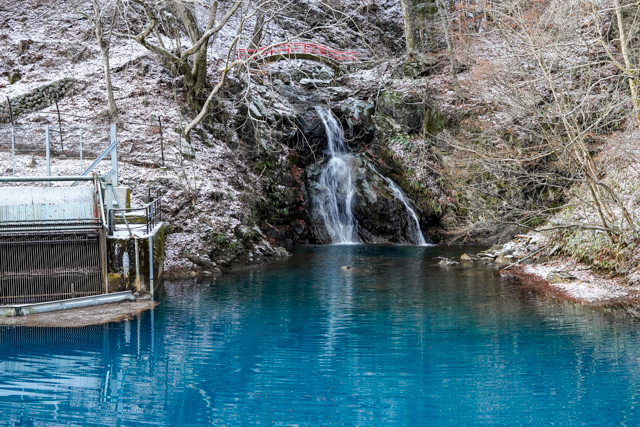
(501, 122)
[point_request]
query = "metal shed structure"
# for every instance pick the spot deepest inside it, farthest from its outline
(52, 243)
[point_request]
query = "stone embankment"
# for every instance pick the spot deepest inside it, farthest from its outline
(36, 100)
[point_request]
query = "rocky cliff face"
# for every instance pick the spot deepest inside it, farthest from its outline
(243, 185)
(288, 211)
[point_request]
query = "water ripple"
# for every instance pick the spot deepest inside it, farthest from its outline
(402, 342)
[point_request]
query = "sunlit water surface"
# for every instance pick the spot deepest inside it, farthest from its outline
(395, 341)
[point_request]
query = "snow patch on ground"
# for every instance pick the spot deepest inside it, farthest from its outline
(585, 285)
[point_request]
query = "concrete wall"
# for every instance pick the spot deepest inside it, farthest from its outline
(36, 100)
(122, 278)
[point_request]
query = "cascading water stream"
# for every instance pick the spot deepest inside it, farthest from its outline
(399, 194)
(335, 183)
(336, 191)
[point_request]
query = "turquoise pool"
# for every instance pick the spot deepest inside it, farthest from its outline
(394, 341)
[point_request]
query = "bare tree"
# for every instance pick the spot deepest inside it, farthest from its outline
(166, 18)
(630, 67)
(163, 22)
(561, 99)
(446, 22)
(628, 30)
(104, 43)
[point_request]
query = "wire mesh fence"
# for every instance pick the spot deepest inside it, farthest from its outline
(23, 147)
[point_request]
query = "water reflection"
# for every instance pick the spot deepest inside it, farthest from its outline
(395, 340)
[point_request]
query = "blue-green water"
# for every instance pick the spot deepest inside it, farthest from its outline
(398, 342)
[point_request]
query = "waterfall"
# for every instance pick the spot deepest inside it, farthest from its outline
(336, 187)
(399, 194)
(334, 198)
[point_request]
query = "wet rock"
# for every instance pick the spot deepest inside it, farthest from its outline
(201, 260)
(444, 262)
(560, 277)
(504, 259)
(508, 248)
(355, 270)
(380, 216)
(468, 258)
(314, 83)
(282, 252)
(14, 77)
(488, 256)
(356, 116)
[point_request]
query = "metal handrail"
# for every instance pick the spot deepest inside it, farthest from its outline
(152, 214)
(45, 178)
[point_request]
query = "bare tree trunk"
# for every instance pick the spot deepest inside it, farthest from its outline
(257, 32)
(631, 69)
(199, 69)
(408, 27)
(193, 85)
(443, 8)
(104, 49)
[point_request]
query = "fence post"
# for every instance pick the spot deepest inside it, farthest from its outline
(103, 255)
(48, 151)
(60, 127)
(13, 149)
(114, 157)
(161, 141)
(81, 161)
(10, 110)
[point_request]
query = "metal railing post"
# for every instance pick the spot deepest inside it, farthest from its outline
(13, 154)
(114, 156)
(108, 201)
(48, 151)
(81, 160)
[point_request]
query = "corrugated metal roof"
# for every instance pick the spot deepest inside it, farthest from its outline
(47, 203)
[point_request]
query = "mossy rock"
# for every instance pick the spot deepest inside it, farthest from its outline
(14, 77)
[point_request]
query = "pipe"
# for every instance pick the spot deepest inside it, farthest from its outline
(44, 178)
(45, 307)
(135, 240)
(100, 157)
(7, 311)
(48, 151)
(151, 287)
(114, 156)
(13, 154)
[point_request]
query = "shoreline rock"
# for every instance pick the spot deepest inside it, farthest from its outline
(618, 301)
